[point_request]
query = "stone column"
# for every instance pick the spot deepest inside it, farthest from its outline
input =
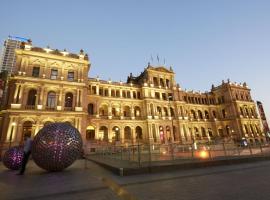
(16, 92)
(22, 92)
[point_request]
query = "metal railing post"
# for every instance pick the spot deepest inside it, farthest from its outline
(192, 151)
(224, 149)
(238, 151)
(261, 148)
(209, 151)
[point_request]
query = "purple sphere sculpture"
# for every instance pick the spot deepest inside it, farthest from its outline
(13, 158)
(56, 146)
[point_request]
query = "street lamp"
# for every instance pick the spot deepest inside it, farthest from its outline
(11, 133)
(171, 99)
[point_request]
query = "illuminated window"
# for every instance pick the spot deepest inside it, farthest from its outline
(70, 76)
(51, 100)
(54, 74)
(35, 72)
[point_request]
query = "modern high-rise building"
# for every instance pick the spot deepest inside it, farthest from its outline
(8, 58)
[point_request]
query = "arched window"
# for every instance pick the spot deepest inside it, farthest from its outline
(51, 100)
(168, 83)
(134, 95)
(90, 109)
(90, 133)
(68, 100)
(197, 133)
(203, 132)
(172, 112)
(162, 135)
(165, 111)
(127, 133)
(137, 111)
(138, 131)
(124, 94)
(251, 128)
(31, 100)
(162, 82)
(241, 111)
(117, 93)
(206, 114)
(200, 114)
(116, 133)
(155, 80)
(168, 133)
(246, 129)
(214, 114)
(103, 110)
(159, 111)
(193, 114)
(103, 133)
(127, 112)
(113, 93)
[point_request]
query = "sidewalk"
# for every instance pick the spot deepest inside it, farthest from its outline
(75, 182)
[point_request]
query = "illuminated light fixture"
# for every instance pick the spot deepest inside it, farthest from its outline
(48, 50)
(159, 86)
(145, 84)
(151, 85)
(131, 84)
(203, 154)
(65, 53)
(39, 107)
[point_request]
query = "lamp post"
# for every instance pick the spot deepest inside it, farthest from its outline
(11, 133)
(172, 148)
(171, 99)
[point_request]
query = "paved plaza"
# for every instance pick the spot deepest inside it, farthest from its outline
(86, 180)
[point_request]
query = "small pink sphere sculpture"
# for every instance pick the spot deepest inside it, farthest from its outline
(13, 158)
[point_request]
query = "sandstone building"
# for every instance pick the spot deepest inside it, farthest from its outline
(53, 86)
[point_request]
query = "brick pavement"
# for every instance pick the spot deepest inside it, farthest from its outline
(244, 181)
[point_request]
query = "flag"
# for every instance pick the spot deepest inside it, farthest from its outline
(157, 58)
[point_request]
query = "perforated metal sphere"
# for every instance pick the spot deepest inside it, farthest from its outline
(56, 146)
(13, 158)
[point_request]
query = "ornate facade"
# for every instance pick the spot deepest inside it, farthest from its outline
(53, 86)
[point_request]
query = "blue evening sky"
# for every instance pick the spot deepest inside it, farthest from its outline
(204, 41)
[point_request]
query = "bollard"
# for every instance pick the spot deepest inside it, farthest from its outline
(139, 155)
(250, 150)
(121, 171)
